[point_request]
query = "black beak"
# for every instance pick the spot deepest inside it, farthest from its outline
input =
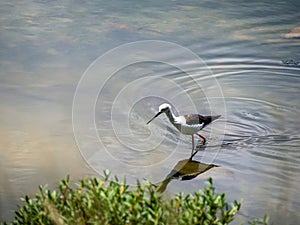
(154, 117)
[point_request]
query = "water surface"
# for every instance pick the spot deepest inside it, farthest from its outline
(247, 50)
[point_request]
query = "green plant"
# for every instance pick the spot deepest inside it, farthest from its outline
(203, 207)
(263, 221)
(100, 201)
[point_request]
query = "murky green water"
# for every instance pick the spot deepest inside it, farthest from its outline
(250, 74)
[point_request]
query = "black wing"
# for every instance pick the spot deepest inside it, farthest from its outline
(199, 119)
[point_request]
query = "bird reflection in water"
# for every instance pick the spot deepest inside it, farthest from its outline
(186, 169)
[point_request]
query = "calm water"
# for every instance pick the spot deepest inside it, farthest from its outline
(247, 70)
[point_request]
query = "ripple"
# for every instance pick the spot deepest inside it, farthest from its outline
(257, 98)
(262, 103)
(128, 95)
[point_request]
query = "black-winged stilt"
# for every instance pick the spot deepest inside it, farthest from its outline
(188, 124)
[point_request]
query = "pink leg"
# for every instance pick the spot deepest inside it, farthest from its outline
(203, 138)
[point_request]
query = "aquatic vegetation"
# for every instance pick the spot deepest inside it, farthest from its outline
(104, 201)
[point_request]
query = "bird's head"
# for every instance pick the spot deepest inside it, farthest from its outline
(163, 108)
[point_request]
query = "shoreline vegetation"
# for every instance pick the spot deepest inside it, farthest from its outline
(106, 201)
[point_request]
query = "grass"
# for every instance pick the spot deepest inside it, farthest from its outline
(104, 201)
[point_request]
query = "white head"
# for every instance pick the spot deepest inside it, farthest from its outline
(163, 108)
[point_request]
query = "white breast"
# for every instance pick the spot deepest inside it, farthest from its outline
(180, 124)
(191, 129)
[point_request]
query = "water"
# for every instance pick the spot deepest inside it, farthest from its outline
(247, 71)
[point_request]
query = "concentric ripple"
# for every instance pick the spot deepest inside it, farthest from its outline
(262, 101)
(115, 98)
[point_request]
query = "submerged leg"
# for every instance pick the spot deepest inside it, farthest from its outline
(203, 138)
(193, 145)
(193, 148)
(192, 155)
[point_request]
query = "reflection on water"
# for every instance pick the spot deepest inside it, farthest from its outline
(251, 48)
(186, 169)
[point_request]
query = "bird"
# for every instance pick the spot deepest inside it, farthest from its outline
(189, 124)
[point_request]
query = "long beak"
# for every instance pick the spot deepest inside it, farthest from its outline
(154, 117)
